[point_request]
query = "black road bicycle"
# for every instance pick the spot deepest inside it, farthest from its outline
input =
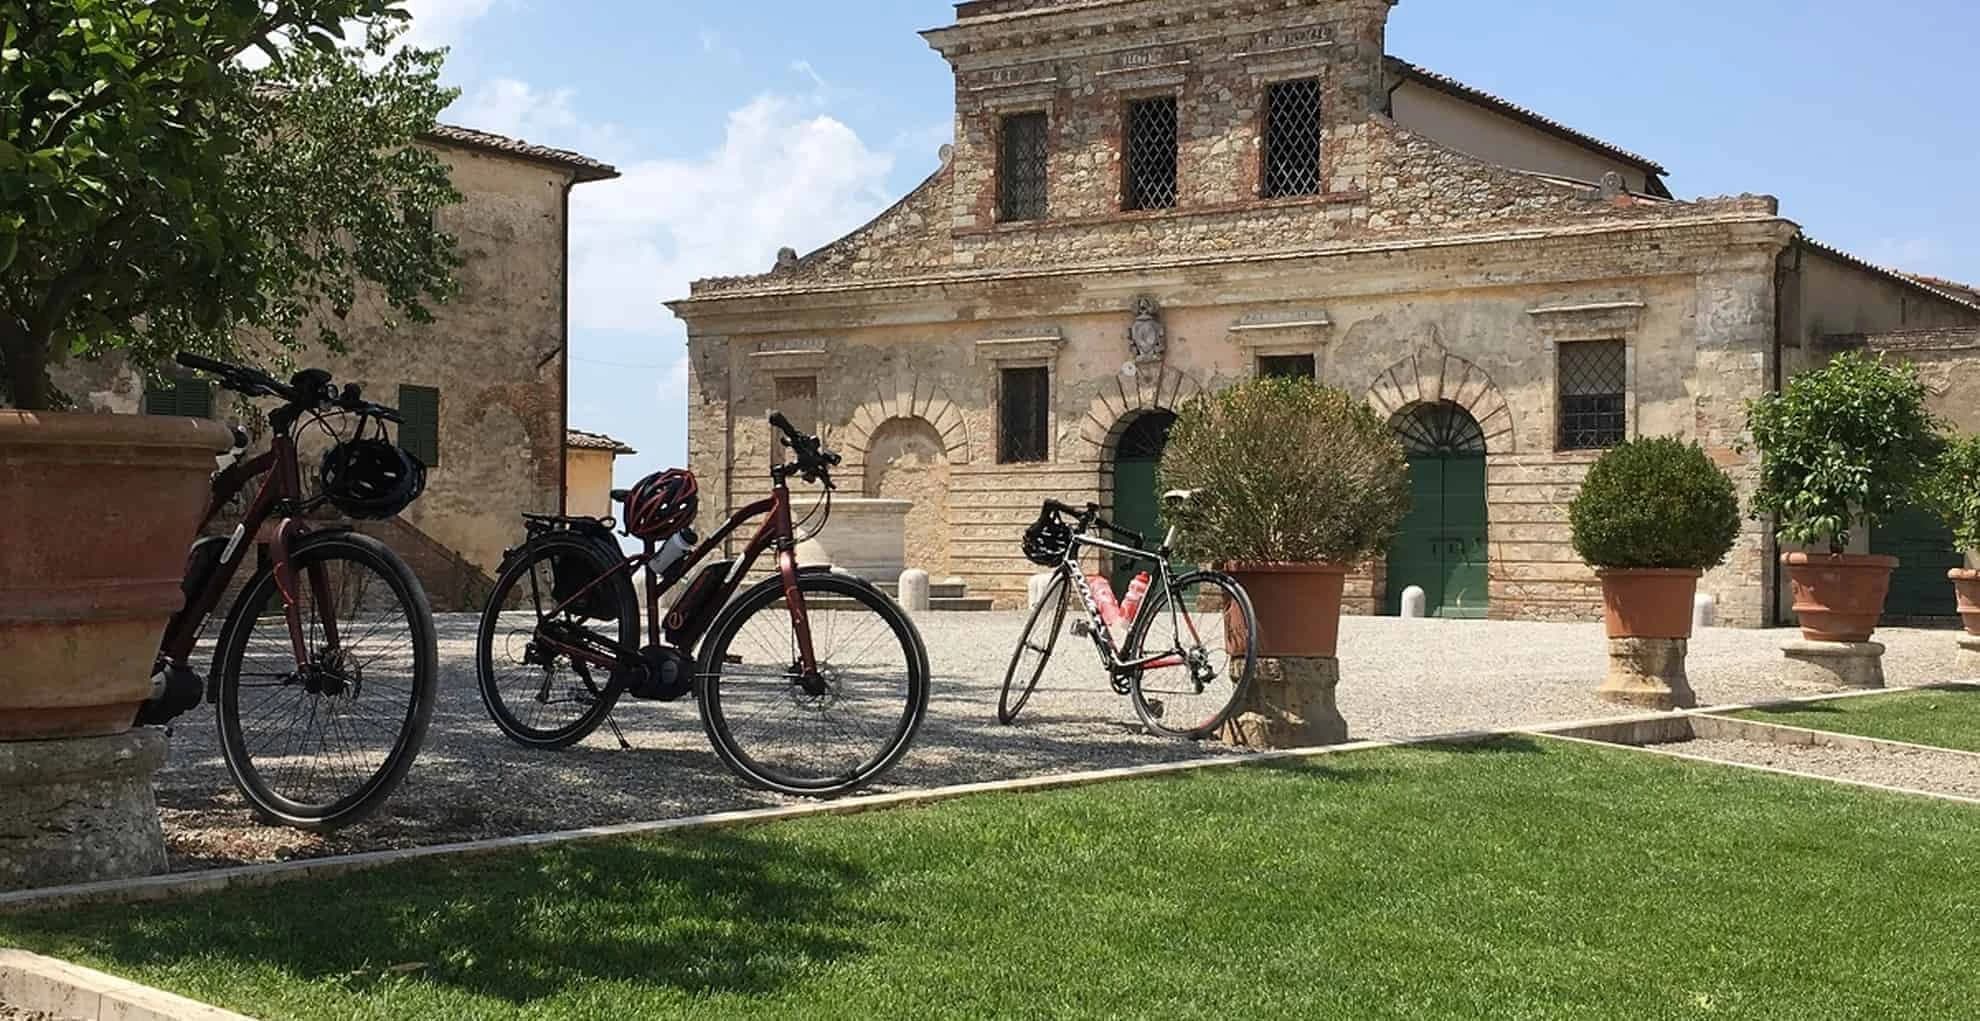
(1187, 659)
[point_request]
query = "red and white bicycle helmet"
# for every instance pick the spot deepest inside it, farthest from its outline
(662, 504)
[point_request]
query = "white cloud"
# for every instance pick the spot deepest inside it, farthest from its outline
(442, 22)
(517, 109)
(783, 175)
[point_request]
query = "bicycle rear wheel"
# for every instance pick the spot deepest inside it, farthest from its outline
(825, 735)
(1034, 650)
(1205, 620)
(323, 745)
(539, 696)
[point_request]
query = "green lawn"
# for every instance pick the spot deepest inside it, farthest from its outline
(1527, 880)
(1946, 719)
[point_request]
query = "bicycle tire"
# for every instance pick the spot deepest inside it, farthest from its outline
(604, 697)
(1156, 710)
(251, 607)
(1057, 596)
(722, 678)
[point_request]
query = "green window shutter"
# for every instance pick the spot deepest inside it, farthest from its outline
(180, 397)
(420, 435)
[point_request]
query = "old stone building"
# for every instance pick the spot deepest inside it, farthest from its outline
(1148, 199)
(483, 387)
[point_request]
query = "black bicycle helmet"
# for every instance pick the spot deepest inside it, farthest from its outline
(1047, 540)
(373, 478)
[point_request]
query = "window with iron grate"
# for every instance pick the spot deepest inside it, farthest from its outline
(1021, 168)
(1292, 139)
(1286, 366)
(1024, 433)
(1593, 384)
(1151, 154)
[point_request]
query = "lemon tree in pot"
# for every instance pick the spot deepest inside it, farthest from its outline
(1952, 490)
(163, 196)
(1296, 484)
(1651, 517)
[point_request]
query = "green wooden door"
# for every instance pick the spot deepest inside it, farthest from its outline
(1137, 504)
(1441, 547)
(1925, 553)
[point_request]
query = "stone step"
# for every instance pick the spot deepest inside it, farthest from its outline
(948, 604)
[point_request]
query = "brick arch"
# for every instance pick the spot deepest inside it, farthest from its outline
(911, 396)
(1431, 376)
(1120, 402)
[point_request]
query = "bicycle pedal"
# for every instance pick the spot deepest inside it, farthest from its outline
(1154, 707)
(1082, 629)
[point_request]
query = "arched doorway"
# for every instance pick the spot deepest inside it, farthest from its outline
(905, 461)
(1137, 503)
(1441, 547)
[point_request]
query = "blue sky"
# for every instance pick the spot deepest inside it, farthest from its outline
(743, 127)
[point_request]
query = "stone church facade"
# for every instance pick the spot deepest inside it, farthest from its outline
(1149, 199)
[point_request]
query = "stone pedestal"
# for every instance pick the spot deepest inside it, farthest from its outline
(1290, 705)
(1967, 666)
(1648, 673)
(80, 810)
(1833, 664)
(867, 537)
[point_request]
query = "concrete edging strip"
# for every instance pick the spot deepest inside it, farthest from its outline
(1762, 732)
(33, 982)
(1862, 784)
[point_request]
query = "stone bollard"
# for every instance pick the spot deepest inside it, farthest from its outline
(1290, 704)
(1034, 590)
(1834, 664)
(914, 591)
(79, 810)
(1415, 603)
(1967, 666)
(1704, 611)
(1648, 673)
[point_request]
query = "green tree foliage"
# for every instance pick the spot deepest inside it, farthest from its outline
(1286, 471)
(1655, 503)
(157, 195)
(1952, 489)
(1843, 444)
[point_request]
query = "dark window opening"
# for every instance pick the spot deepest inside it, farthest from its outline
(1292, 139)
(1287, 366)
(420, 435)
(1593, 381)
(1023, 414)
(1151, 154)
(189, 397)
(1021, 168)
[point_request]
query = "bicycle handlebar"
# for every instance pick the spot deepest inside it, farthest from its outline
(814, 462)
(1089, 517)
(309, 389)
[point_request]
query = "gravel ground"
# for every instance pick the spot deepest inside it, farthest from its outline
(1934, 772)
(1400, 678)
(8, 1013)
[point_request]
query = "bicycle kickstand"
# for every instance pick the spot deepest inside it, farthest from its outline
(624, 745)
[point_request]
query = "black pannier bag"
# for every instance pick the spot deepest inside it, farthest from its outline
(572, 573)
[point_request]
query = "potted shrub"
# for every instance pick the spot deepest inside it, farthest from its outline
(1652, 517)
(1840, 447)
(1953, 491)
(1296, 483)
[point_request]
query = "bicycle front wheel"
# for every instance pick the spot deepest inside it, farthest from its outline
(821, 735)
(1034, 650)
(1204, 620)
(322, 744)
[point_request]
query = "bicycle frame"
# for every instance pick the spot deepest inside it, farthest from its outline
(269, 519)
(775, 533)
(1103, 638)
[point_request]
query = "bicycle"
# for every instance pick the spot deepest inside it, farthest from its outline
(323, 682)
(814, 648)
(1186, 690)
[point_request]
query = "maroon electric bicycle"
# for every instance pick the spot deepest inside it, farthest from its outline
(325, 672)
(811, 682)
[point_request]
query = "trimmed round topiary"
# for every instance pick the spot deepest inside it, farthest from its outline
(1286, 471)
(1655, 503)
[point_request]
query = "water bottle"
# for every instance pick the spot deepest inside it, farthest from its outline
(1103, 600)
(1137, 590)
(672, 551)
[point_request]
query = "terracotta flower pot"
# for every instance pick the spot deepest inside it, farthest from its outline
(1966, 583)
(1298, 607)
(1839, 597)
(1648, 602)
(96, 512)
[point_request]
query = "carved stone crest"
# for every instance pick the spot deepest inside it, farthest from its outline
(1148, 339)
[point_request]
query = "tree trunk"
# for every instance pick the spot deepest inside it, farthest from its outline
(25, 359)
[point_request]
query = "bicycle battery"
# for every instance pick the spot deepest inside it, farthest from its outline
(697, 606)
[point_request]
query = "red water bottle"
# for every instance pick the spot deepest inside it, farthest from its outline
(1103, 600)
(1137, 589)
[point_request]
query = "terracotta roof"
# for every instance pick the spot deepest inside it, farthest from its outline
(586, 168)
(1967, 291)
(582, 440)
(1957, 297)
(1451, 86)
